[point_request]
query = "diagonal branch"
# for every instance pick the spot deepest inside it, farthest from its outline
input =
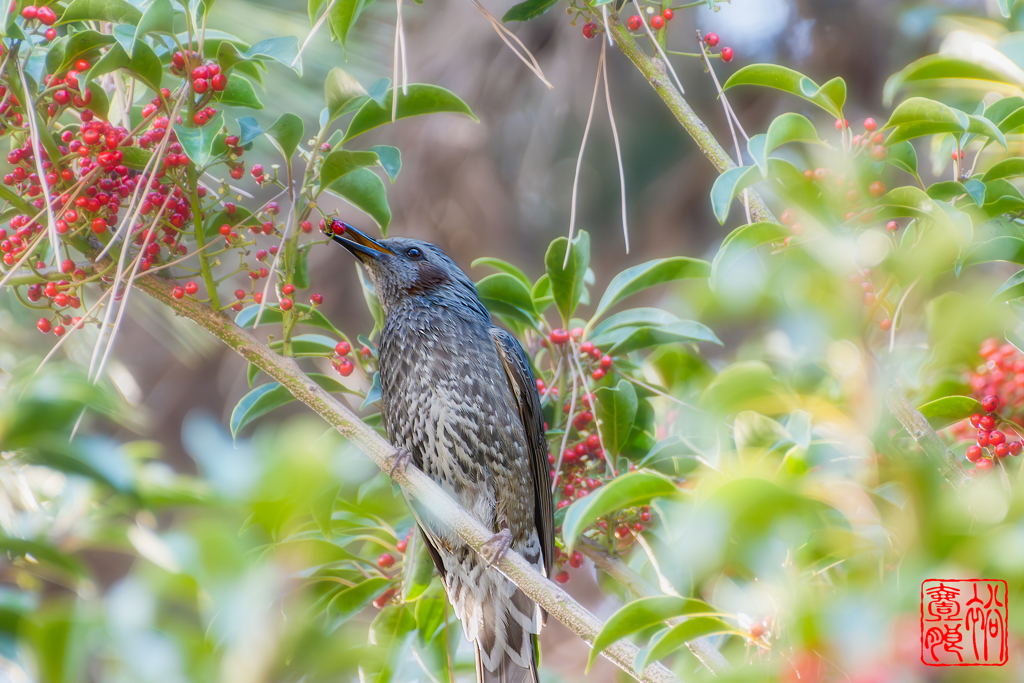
(413, 481)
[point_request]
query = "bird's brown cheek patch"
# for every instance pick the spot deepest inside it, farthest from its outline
(429, 277)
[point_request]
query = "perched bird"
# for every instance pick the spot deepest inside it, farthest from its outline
(458, 394)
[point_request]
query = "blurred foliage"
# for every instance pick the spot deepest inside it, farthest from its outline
(765, 489)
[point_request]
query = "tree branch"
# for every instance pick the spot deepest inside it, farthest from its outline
(414, 482)
(654, 71)
(702, 648)
(917, 426)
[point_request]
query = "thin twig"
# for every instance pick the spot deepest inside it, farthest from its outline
(30, 110)
(657, 46)
(565, 436)
(579, 159)
(618, 147)
(312, 32)
(506, 35)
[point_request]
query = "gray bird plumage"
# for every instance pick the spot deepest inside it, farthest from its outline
(459, 395)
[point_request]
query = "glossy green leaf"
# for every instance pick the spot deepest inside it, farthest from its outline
(757, 149)
(287, 134)
(831, 97)
(667, 642)
(928, 70)
(728, 185)
(283, 49)
(1007, 168)
(641, 614)
(197, 143)
(266, 397)
(1013, 288)
(272, 316)
(976, 189)
(633, 317)
(323, 509)
(506, 294)
(341, 162)
(418, 570)
(422, 99)
(790, 128)
(390, 159)
(739, 242)
(531, 9)
(627, 490)
(143, 64)
(918, 110)
(248, 130)
(342, 16)
(946, 190)
(746, 385)
(627, 339)
(158, 18)
(903, 156)
(312, 345)
(351, 601)
(114, 11)
(615, 410)
(62, 56)
(567, 283)
(639, 278)
(239, 93)
(947, 410)
(979, 125)
(504, 267)
(365, 190)
(912, 201)
(1002, 248)
(340, 89)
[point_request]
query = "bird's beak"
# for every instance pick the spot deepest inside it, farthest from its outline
(361, 246)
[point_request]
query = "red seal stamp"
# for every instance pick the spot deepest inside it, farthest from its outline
(963, 622)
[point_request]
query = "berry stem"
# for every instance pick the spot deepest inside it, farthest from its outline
(197, 223)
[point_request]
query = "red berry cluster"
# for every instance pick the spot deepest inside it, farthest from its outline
(657, 22)
(206, 80)
(1000, 376)
(591, 357)
(712, 40)
(991, 443)
(343, 365)
(624, 527)
(62, 297)
(387, 561)
(45, 16)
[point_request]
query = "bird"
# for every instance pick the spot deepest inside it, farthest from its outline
(459, 398)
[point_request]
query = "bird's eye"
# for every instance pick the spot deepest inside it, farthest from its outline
(413, 252)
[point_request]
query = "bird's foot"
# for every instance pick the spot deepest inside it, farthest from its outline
(495, 547)
(399, 461)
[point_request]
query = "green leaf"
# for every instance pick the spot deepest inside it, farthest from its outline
(1002, 248)
(930, 70)
(309, 345)
(418, 570)
(615, 410)
(272, 316)
(365, 190)
(912, 201)
(639, 278)
(301, 277)
(634, 317)
(627, 339)
(1013, 288)
(531, 9)
(286, 134)
(340, 89)
(1007, 168)
(239, 93)
(283, 49)
(790, 128)
(567, 283)
(370, 297)
(730, 184)
(114, 11)
(667, 642)
(918, 110)
(197, 143)
(979, 125)
(976, 189)
(504, 267)
(341, 162)
(390, 159)
(739, 242)
(351, 601)
(746, 385)
(266, 397)
(945, 411)
(143, 64)
(505, 294)
(756, 147)
(422, 99)
(903, 156)
(63, 56)
(343, 16)
(831, 97)
(42, 552)
(158, 18)
(248, 130)
(323, 509)
(641, 614)
(628, 490)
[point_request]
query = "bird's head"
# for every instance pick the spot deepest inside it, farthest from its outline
(402, 268)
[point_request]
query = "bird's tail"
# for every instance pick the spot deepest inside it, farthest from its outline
(500, 621)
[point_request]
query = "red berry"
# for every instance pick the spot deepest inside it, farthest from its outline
(177, 292)
(877, 189)
(711, 39)
(588, 29)
(286, 304)
(987, 422)
(633, 24)
(1015, 448)
(990, 403)
(598, 374)
(668, 14)
(306, 226)
(46, 17)
(257, 170)
(984, 465)
(386, 561)
(99, 226)
(878, 152)
(200, 118)
(345, 367)
(316, 299)
(43, 325)
(562, 577)
(288, 289)
(1002, 450)
(402, 545)
(869, 298)
(219, 82)
(842, 123)
(606, 362)
(886, 324)
(645, 516)
(191, 288)
(343, 348)
(559, 336)
(982, 439)
(59, 330)
(788, 218)
(995, 438)
(892, 226)
(30, 12)
(576, 559)
(974, 453)
(200, 85)
(726, 54)
(974, 420)
(658, 22)
(870, 125)
(51, 33)
(239, 293)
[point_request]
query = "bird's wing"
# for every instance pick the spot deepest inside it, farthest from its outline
(524, 388)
